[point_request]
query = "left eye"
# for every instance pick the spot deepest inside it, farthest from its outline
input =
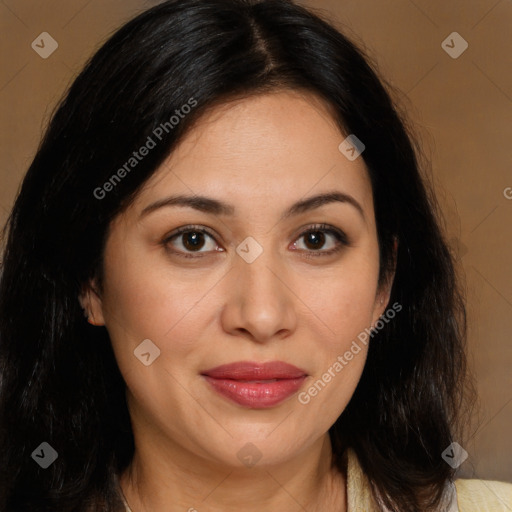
(316, 240)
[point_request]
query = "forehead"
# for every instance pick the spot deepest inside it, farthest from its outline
(283, 146)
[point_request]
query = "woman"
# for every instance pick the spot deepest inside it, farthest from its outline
(225, 286)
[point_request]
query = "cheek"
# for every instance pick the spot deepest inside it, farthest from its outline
(345, 311)
(143, 300)
(344, 307)
(344, 302)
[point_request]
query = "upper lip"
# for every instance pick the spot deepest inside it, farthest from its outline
(248, 370)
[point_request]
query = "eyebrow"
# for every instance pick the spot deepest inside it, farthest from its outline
(216, 207)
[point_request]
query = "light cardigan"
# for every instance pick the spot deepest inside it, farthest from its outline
(462, 496)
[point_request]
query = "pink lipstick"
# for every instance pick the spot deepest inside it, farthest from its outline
(256, 385)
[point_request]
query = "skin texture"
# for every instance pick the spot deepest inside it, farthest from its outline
(260, 155)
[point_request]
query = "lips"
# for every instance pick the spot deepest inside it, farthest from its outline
(256, 385)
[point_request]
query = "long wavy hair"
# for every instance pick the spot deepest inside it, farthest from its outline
(59, 381)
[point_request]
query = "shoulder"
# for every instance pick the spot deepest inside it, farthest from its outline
(483, 496)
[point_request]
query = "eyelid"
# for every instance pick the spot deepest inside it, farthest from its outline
(326, 228)
(187, 228)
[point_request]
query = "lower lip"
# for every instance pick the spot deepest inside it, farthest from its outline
(256, 395)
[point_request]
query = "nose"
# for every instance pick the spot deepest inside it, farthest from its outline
(260, 304)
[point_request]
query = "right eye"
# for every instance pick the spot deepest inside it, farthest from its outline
(191, 239)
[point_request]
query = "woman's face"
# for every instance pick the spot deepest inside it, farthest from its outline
(285, 271)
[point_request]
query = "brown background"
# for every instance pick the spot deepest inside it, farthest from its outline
(461, 107)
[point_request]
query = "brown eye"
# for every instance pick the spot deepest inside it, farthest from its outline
(314, 240)
(189, 240)
(193, 240)
(321, 240)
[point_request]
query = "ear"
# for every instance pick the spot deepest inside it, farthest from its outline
(91, 303)
(384, 292)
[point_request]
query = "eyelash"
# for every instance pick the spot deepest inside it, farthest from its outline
(340, 236)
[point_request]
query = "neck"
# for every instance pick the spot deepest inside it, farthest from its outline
(168, 480)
